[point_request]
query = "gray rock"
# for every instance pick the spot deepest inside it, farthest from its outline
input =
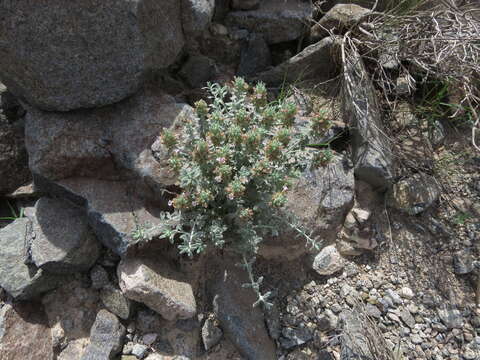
(406, 293)
(148, 321)
(354, 344)
(372, 155)
(13, 156)
(118, 47)
(385, 303)
(116, 302)
(255, 56)
(415, 194)
(196, 15)
(277, 21)
(211, 333)
(463, 262)
(71, 311)
(373, 311)
(328, 321)
(318, 201)
(63, 241)
(99, 277)
(338, 20)
(452, 318)
(392, 294)
(242, 324)
(328, 261)
(106, 337)
(154, 283)
(272, 320)
(12, 109)
(114, 213)
(407, 318)
(316, 63)
(416, 339)
(149, 339)
(325, 355)
(245, 4)
(24, 333)
(293, 337)
(98, 143)
(19, 278)
(101, 62)
(198, 70)
(139, 351)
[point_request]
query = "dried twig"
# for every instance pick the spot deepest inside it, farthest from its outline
(443, 44)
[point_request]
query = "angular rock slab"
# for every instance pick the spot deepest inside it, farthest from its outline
(95, 143)
(277, 21)
(63, 56)
(337, 20)
(372, 155)
(22, 281)
(317, 62)
(63, 242)
(243, 324)
(106, 337)
(24, 333)
(154, 283)
(13, 156)
(319, 202)
(114, 211)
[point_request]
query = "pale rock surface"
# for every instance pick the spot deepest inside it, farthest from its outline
(154, 283)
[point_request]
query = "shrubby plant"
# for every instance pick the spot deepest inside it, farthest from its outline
(235, 164)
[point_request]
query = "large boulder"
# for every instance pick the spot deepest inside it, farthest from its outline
(277, 21)
(13, 156)
(242, 324)
(63, 56)
(372, 155)
(117, 216)
(24, 333)
(98, 143)
(317, 204)
(63, 241)
(317, 62)
(18, 277)
(106, 337)
(154, 283)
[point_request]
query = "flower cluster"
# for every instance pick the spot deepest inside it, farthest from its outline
(235, 163)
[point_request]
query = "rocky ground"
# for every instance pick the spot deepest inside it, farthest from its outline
(83, 275)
